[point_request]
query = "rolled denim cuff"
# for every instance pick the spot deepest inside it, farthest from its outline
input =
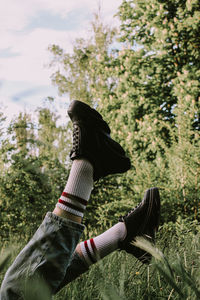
(65, 222)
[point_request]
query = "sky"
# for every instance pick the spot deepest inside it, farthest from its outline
(27, 28)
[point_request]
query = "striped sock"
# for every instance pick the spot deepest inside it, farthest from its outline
(78, 188)
(102, 245)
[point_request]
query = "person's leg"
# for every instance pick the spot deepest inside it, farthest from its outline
(50, 251)
(142, 220)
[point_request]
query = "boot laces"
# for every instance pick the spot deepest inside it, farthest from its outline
(76, 138)
(121, 218)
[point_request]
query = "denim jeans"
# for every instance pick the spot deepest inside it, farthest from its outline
(50, 255)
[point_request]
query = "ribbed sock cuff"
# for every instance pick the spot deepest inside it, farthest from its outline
(72, 204)
(78, 188)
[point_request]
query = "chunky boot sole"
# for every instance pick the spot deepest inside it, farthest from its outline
(142, 221)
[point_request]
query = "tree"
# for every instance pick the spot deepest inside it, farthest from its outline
(81, 75)
(147, 88)
(34, 171)
(53, 144)
(76, 73)
(53, 141)
(166, 91)
(23, 186)
(2, 128)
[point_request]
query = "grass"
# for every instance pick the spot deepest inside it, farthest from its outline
(174, 272)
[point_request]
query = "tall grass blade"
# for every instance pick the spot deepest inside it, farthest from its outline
(4, 261)
(145, 245)
(170, 280)
(188, 279)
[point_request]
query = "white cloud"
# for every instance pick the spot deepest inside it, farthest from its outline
(30, 102)
(15, 15)
(62, 7)
(25, 69)
(110, 7)
(33, 52)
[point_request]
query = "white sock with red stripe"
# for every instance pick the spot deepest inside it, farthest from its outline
(78, 188)
(102, 245)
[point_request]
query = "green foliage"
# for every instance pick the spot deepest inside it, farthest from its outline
(121, 276)
(2, 129)
(78, 75)
(165, 85)
(147, 87)
(23, 188)
(34, 171)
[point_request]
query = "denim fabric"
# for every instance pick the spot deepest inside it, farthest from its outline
(75, 269)
(48, 254)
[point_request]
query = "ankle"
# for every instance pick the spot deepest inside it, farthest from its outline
(78, 250)
(122, 230)
(67, 215)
